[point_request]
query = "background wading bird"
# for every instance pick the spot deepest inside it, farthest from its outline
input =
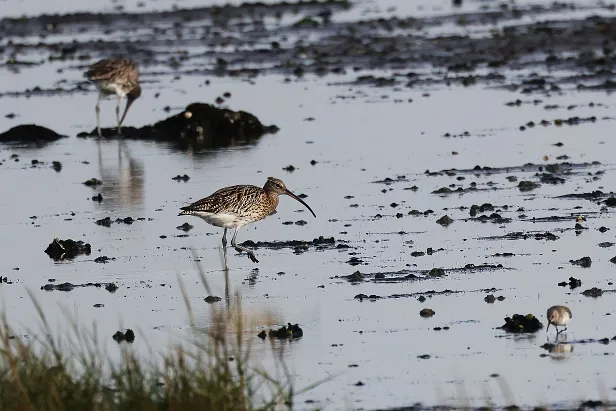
(115, 76)
(236, 206)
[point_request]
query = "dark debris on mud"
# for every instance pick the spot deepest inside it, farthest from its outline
(199, 126)
(522, 324)
(421, 295)
(314, 41)
(288, 332)
(128, 336)
(111, 287)
(298, 246)
(67, 249)
(406, 274)
(30, 133)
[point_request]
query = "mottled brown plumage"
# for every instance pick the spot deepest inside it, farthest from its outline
(236, 206)
(115, 76)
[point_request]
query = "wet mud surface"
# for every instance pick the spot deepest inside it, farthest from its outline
(460, 164)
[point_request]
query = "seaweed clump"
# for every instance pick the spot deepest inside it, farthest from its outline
(522, 324)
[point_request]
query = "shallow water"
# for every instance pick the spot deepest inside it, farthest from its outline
(356, 142)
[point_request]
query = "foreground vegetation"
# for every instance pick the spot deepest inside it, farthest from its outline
(64, 374)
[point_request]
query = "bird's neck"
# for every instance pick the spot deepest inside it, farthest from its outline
(274, 198)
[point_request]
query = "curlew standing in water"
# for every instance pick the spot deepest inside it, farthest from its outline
(115, 76)
(236, 206)
(558, 315)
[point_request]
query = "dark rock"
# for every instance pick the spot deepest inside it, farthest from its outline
(262, 335)
(67, 249)
(128, 336)
(444, 221)
(210, 299)
(436, 272)
(98, 198)
(527, 185)
(185, 227)
(426, 313)
(111, 287)
(102, 260)
(93, 182)
(522, 324)
(30, 133)
(582, 262)
(490, 299)
(183, 178)
(288, 332)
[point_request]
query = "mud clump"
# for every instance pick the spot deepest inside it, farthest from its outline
(356, 277)
(111, 287)
(128, 336)
(573, 283)
(522, 324)
(185, 227)
(30, 133)
(427, 313)
(288, 332)
(582, 262)
(298, 246)
(200, 125)
(211, 299)
(527, 185)
(490, 299)
(593, 292)
(444, 221)
(67, 249)
(362, 297)
(93, 182)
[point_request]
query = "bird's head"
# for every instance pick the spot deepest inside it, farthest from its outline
(277, 186)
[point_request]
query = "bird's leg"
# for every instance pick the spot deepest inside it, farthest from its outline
(557, 332)
(118, 116)
(251, 255)
(224, 239)
(98, 115)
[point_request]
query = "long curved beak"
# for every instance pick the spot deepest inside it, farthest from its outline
(129, 102)
(290, 194)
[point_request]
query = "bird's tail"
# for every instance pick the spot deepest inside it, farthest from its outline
(185, 211)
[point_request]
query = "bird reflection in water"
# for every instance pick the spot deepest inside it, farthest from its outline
(123, 181)
(560, 351)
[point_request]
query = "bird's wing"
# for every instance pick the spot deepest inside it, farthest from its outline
(110, 68)
(229, 200)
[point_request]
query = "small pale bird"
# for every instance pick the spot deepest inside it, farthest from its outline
(115, 76)
(236, 206)
(558, 315)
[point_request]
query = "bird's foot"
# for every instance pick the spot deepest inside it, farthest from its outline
(252, 257)
(250, 254)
